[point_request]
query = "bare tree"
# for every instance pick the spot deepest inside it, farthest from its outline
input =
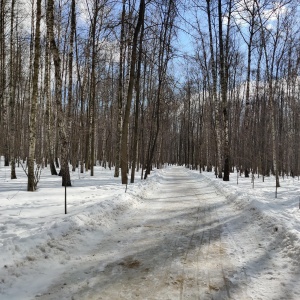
(61, 121)
(12, 93)
(120, 92)
(31, 185)
(164, 55)
(124, 145)
(137, 104)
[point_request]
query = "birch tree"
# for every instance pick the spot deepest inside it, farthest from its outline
(31, 185)
(4, 89)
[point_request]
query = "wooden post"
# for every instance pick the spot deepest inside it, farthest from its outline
(65, 197)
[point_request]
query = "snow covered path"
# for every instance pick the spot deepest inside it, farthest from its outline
(171, 248)
(183, 240)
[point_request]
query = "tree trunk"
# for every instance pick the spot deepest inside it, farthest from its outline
(49, 114)
(92, 104)
(137, 104)
(31, 185)
(3, 91)
(217, 127)
(58, 96)
(224, 83)
(120, 94)
(124, 146)
(12, 96)
(70, 70)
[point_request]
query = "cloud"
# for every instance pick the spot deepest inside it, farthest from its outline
(244, 9)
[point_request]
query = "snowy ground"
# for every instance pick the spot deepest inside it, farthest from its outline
(177, 235)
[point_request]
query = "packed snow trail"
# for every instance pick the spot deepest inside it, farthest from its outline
(185, 240)
(171, 248)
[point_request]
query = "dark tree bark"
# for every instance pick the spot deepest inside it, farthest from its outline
(217, 126)
(120, 93)
(137, 104)
(92, 102)
(124, 140)
(163, 60)
(12, 101)
(49, 114)
(70, 69)
(61, 120)
(224, 51)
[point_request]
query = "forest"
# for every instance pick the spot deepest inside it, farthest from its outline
(112, 82)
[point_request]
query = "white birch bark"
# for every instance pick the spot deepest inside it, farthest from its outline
(31, 185)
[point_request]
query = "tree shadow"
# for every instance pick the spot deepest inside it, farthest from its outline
(158, 254)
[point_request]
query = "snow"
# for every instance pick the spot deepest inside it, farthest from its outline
(267, 231)
(180, 234)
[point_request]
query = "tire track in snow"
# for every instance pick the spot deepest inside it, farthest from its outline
(213, 281)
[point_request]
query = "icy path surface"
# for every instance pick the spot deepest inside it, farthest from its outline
(170, 249)
(184, 240)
